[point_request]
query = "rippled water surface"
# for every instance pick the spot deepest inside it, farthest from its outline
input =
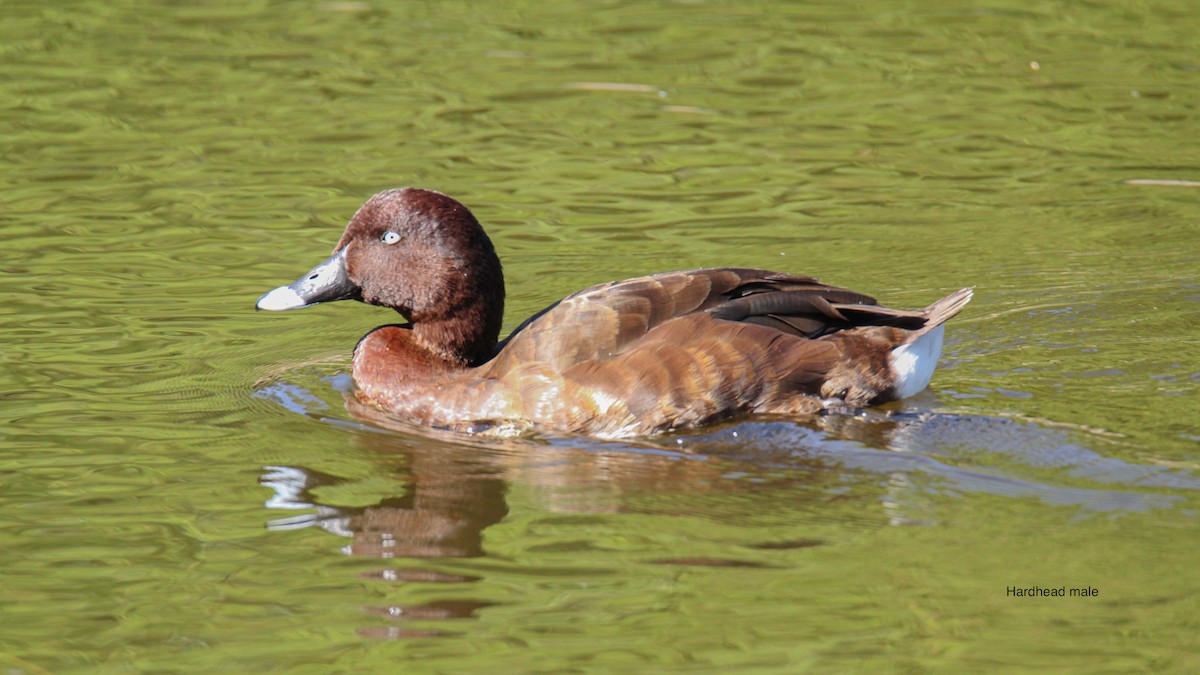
(184, 488)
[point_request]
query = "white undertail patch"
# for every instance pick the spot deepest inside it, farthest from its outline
(913, 364)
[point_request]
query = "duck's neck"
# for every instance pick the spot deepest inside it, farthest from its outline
(460, 341)
(460, 322)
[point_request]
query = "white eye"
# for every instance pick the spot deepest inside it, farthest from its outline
(390, 237)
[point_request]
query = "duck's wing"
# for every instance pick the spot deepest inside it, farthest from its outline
(603, 321)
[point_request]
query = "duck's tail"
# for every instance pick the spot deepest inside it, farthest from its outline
(945, 309)
(913, 362)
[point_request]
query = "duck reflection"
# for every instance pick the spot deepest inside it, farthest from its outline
(453, 491)
(449, 497)
(452, 488)
(448, 501)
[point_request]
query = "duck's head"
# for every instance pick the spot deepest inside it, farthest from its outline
(420, 253)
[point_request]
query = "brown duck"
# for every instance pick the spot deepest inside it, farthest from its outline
(667, 351)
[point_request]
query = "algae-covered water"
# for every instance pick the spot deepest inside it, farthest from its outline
(183, 489)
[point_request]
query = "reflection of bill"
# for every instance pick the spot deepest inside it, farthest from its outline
(439, 515)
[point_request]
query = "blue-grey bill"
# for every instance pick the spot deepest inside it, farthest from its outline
(326, 282)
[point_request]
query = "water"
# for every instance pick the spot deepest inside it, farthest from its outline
(184, 488)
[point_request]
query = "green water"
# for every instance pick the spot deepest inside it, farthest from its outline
(183, 490)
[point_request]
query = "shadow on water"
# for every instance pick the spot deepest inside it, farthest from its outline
(453, 489)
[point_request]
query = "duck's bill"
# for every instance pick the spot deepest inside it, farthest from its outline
(326, 282)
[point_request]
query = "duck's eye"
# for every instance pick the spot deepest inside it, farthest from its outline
(390, 237)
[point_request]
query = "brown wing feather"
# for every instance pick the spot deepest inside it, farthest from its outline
(682, 349)
(605, 320)
(696, 369)
(602, 321)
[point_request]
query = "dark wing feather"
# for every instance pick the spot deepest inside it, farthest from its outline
(794, 325)
(803, 307)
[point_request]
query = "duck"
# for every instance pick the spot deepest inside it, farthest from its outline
(662, 353)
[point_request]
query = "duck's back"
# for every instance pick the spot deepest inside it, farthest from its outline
(680, 349)
(604, 320)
